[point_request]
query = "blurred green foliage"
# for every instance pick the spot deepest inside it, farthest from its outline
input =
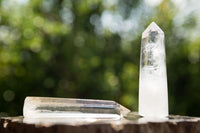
(91, 49)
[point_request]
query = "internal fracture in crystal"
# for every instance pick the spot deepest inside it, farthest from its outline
(153, 94)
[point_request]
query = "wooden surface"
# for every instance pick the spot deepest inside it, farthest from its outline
(175, 124)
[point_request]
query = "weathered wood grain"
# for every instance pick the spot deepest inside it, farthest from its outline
(175, 125)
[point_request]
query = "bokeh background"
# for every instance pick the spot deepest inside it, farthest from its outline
(91, 49)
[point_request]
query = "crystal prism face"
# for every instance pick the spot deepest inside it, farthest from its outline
(45, 107)
(153, 95)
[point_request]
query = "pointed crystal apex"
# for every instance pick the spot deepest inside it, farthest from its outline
(152, 29)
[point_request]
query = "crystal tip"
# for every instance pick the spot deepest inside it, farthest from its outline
(153, 27)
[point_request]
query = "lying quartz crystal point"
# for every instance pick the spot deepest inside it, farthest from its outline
(47, 107)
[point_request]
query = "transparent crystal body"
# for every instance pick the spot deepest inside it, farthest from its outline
(47, 107)
(153, 94)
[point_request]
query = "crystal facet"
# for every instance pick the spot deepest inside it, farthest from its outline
(153, 94)
(46, 107)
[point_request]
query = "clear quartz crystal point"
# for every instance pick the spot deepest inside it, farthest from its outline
(153, 94)
(47, 107)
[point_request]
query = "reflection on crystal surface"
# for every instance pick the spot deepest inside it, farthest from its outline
(45, 107)
(52, 121)
(153, 96)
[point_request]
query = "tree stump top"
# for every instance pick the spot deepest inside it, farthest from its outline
(131, 124)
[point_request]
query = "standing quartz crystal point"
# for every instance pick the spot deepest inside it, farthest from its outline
(153, 94)
(48, 107)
